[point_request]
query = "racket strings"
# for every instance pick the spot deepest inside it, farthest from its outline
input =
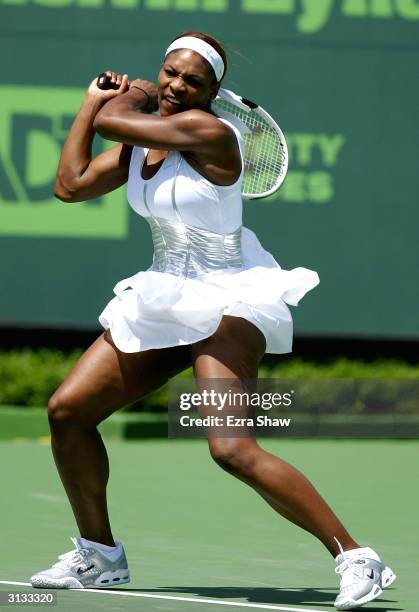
(264, 151)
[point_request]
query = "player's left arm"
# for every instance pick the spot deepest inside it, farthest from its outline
(191, 130)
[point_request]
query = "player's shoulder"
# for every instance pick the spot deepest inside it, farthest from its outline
(203, 118)
(203, 127)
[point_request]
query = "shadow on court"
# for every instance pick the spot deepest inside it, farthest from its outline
(263, 595)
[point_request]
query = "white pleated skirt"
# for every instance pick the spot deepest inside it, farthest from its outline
(153, 310)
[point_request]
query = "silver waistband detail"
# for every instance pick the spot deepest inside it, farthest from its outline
(188, 251)
(154, 218)
(202, 252)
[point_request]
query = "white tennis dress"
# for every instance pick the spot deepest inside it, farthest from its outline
(205, 265)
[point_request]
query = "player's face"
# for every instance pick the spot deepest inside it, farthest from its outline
(185, 81)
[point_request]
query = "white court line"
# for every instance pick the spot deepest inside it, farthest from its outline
(188, 599)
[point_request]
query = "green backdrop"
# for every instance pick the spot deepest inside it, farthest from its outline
(339, 76)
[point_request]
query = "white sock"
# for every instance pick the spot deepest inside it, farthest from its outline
(110, 552)
(365, 551)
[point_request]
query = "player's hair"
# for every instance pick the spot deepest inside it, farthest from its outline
(211, 41)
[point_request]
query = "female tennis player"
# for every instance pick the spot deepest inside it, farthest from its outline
(213, 298)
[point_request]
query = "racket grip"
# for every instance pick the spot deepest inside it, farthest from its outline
(104, 82)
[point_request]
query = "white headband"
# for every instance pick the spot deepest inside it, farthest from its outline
(203, 48)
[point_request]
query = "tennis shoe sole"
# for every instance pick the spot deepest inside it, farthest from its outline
(387, 579)
(105, 580)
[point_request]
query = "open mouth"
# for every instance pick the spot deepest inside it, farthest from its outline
(173, 101)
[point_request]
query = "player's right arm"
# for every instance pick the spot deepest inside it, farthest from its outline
(79, 177)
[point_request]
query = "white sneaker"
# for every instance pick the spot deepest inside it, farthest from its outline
(363, 577)
(85, 566)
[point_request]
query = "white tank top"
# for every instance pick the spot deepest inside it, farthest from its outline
(190, 198)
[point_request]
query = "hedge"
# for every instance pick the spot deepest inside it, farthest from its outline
(28, 378)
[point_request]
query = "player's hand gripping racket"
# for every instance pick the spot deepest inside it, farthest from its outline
(265, 148)
(104, 82)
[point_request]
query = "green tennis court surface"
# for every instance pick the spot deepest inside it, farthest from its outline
(192, 531)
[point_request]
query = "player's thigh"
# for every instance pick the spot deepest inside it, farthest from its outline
(105, 379)
(233, 351)
(228, 362)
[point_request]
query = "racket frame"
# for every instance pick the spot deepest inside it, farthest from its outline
(249, 106)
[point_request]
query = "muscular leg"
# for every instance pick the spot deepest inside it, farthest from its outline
(103, 380)
(234, 352)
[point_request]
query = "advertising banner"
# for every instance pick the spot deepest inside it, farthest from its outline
(339, 76)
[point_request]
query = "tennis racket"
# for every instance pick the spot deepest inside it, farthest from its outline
(265, 147)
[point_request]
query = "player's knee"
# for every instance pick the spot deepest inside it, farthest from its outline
(61, 409)
(236, 456)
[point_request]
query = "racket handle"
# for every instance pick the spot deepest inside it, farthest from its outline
(104, 82)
